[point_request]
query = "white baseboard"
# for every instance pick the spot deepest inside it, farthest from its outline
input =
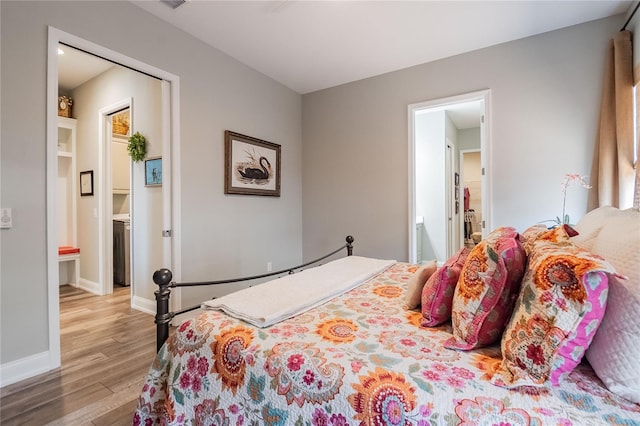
(90, 286)
(144, 305)
(24, 368)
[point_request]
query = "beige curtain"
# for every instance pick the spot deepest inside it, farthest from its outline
(612, 172)
(636, 193)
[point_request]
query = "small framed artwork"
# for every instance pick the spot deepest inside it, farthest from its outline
(153, 171)
(251, 165)
(86, 183)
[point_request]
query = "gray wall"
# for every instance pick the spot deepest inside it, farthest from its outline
(469, 138)
(545, 94)
(221, 235)
(430, 128)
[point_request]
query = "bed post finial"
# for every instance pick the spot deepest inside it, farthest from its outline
(162, 278)
(349, 245)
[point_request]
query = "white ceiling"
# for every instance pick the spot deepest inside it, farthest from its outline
(76, 67)
(312, 45)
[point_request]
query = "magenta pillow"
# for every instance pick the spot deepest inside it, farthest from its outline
(487, 289)
(437, 293)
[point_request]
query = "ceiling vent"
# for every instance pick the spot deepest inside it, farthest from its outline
(174, 3)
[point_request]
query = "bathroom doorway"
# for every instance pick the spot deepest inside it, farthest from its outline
(439, 131)
(121, 194)
(471, 194)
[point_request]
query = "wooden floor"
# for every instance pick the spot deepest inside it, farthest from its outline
(106, 349)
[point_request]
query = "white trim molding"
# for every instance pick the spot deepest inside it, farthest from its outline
(90, 286)
(23, 368)
(145, 305)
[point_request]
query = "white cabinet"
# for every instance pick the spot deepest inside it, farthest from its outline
(69, 264)
(67, 182)
(120, 166)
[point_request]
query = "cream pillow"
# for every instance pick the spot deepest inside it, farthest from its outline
(589, 226)
(613, 354)
(416, 282)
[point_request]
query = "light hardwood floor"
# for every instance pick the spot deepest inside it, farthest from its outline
(107, 348)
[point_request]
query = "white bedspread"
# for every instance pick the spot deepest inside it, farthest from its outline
(274, 301)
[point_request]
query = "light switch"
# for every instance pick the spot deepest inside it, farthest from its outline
(5, 218)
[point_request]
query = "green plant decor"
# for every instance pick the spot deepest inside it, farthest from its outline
(137, 147)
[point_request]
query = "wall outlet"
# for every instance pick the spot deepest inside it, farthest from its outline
(269, 267)
(6, 221)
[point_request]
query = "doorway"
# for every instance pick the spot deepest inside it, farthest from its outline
(117, 122)
(96, 203)
(471, 187)
(439, 131)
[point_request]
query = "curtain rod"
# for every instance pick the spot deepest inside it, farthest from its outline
(624, 27)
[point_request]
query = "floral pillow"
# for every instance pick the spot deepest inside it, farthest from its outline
(559, 309)
(487, 289)
(437, 294)
(534, 234)
(416, 283)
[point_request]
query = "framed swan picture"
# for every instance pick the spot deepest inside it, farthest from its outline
(252, 166)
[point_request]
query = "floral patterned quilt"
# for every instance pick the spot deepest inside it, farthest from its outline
(357, 360)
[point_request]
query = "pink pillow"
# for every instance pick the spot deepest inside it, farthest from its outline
(559, 309)
(437, 294)
(487, 289)
(416, 284)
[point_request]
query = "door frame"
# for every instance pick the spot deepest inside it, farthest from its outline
(450, 170)
(485, 148)
(105, 203)
(171, 180)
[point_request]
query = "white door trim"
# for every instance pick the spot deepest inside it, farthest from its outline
(56, 36)
(171, 190)
(485, 136)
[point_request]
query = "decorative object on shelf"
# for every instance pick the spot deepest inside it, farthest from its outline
(137, 147)
(251, 166)
(568, 178)
(153, 172)
(120, 123)
(64, 106)
(86, 183)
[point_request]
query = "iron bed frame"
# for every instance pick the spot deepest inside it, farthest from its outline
(163, 279)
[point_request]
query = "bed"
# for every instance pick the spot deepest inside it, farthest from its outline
(358, 359)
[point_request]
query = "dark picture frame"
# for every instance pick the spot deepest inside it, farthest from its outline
(86, 183)
(153, 171)
(251, 165)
